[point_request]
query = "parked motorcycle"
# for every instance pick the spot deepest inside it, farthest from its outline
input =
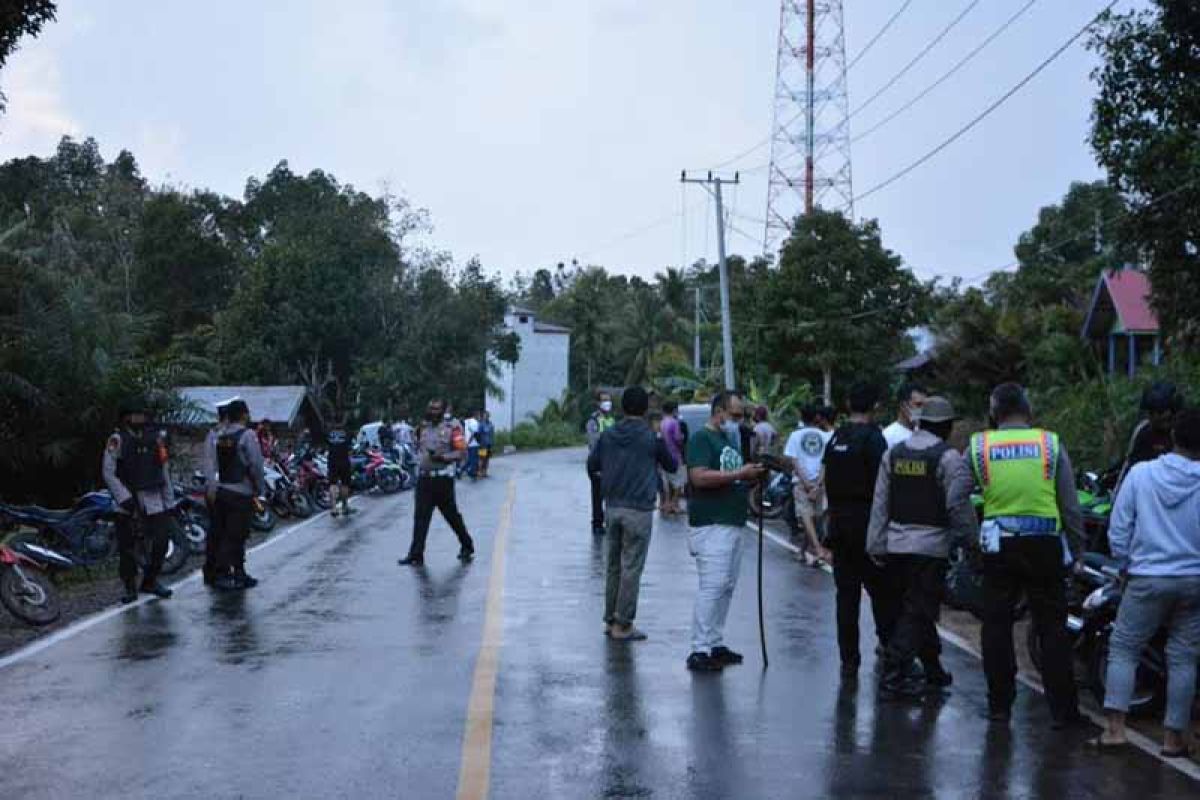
(25, 586)
(370, 471)
(309, 474)
(284, 495)
(1093, 598)
(263, 519)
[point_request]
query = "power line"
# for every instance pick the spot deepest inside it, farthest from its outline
(917, 58)
(987, 111)
(879, 35)
(962, 63)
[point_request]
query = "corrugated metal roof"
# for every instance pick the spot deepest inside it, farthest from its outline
(280, 404)
(1130, 292)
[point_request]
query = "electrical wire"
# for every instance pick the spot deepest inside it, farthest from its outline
(917, 58)
(879, 35)
(949, 73)
(987, 111)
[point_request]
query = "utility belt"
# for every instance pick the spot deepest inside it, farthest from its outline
(997, 528)
(444, 472)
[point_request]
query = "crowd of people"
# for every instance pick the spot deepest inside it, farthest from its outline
(887, 506)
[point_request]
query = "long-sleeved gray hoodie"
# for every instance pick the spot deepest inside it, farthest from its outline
(1155, 525)
(627, 458)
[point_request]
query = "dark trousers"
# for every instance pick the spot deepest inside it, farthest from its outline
(231, 527)
(436, 492)
(154, 528)
(853, 571)
(1033, 564)
(919, 582)
(597, 502)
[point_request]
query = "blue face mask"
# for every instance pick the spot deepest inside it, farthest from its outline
(732, 433)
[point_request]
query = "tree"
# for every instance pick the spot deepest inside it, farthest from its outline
(21, 18)
(838, 301)
(1146, 133)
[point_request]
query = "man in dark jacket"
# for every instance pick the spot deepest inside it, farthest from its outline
(627, 457)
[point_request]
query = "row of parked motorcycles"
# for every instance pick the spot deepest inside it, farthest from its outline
(1093, 593)
(37, 542)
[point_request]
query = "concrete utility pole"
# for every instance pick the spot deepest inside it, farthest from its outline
(723, 271)
(696, 332)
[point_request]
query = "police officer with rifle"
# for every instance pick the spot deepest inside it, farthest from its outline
(135, 472)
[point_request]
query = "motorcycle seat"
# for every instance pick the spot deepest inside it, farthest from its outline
(37, 513)
(1099, 561)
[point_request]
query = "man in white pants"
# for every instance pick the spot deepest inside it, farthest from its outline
(717, 519)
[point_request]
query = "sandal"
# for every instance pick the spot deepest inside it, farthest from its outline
(1100, 746)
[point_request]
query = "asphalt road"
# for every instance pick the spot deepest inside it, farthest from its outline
(345, 675)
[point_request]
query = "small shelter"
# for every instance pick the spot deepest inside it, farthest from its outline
(1121, 322)
(288, 407)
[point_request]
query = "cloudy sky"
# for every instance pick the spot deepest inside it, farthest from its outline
(538, 131)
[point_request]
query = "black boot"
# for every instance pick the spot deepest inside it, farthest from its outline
(130, 593)
(899, 682)
(157, 589)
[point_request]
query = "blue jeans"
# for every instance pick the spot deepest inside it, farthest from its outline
(472, 466)
(1149, 603)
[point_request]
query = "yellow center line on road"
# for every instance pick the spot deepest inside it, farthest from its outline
(475, 773)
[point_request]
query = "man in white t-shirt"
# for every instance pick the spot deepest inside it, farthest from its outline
(909, 399)
(805, 448)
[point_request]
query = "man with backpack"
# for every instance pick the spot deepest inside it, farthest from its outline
(851, 461)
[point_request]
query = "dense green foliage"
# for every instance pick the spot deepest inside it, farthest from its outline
(19, 18)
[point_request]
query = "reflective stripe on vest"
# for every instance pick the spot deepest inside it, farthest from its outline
(1017, 469)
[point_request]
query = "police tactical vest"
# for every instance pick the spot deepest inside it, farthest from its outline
(916, 496)
(1018, 469)
(231, 467)
(604, 422)
(138, 466)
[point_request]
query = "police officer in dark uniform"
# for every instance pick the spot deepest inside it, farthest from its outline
(231, 492)
(136, 474)
(340, 474)
(209, 570)
(435, 484)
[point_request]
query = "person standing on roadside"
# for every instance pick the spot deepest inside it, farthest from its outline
(471, 432)
(137, 476)
(209, 467)
(909, 399)
(805, 449)
(599, 422)
(438, 453)
(922, 506)
(673, 438)
(340, 474)
(764, 433)
(487, 439)
(1155, 534)
(851, 462)
(1151, 438)
(1032, 530)
(716, 520)
(231, 491)
(627, 458)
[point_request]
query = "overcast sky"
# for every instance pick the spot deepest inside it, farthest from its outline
(539, 131)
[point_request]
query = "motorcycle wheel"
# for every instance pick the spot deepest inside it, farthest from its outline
(263, 520)
(196, 533)
(33, 599)
(300, 505)
(322, 496)
(281, 507)
(390, 483)
(754, 500)
(179, 550)
(1149, 687)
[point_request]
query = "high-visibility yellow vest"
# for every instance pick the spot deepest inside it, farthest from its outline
(1017, 469)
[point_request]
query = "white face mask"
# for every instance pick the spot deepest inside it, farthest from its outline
(606, 406)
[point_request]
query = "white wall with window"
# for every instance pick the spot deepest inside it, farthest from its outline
(539, 376)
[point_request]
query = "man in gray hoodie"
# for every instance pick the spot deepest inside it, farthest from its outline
(627, 458)
(1155, 533)
(922, 506)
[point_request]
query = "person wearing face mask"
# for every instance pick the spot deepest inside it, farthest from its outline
(600, 421)
(438, 454)
(136, 474)
(909, 398)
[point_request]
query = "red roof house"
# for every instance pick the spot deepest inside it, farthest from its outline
(1121, 321)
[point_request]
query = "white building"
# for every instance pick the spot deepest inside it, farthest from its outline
(539, 376)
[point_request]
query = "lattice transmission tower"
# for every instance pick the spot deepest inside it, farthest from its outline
(810, 129)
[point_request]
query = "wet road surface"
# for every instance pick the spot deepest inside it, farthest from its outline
(344, 675)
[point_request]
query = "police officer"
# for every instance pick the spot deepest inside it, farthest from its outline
(1029, 506)
(601, 420)
(922, 506)
(209, 570)
(231, 491)
(136, 474)
(435, 484)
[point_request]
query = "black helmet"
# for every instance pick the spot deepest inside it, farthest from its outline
(1161, 396)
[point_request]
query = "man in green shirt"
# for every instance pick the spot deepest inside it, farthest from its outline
(716, 518)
